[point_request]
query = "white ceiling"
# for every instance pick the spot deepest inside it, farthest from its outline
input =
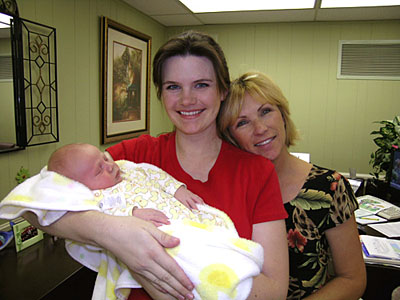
(174, 13)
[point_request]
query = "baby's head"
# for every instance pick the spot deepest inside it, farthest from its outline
(85, 163)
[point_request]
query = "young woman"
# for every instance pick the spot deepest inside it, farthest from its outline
(192, 79)
(321, 227)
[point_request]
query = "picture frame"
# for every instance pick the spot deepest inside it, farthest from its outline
(125, 81)
(26, 235)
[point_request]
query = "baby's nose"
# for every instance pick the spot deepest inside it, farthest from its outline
(110, 167)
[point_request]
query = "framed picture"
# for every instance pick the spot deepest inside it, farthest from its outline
(26, 235)
(125, 78)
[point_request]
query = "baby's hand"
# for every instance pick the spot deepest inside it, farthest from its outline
(187, 198)
(154, 216)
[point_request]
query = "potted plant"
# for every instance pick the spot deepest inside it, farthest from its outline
(22, 175)
(387, 139)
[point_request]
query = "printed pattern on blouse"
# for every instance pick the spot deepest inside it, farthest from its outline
(325, 201)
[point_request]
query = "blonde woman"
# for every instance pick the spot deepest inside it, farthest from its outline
(321, 227)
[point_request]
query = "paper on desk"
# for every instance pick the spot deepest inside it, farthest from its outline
(381, 247)
(355, 184)
(368, 218)
(372, 204)
(390, 229)
(364, 217)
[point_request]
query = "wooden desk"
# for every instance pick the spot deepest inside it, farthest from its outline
(43, 271)
(381, 279)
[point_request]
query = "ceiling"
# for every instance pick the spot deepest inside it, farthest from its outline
(174, 13)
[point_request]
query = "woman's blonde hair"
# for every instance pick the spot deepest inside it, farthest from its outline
(263, 89)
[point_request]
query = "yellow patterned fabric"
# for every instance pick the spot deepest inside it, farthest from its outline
(216, 259)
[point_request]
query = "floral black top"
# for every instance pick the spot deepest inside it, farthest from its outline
(325, 201)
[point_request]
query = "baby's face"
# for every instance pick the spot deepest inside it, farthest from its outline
(96, 171)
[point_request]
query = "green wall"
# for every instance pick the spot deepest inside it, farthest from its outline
(78, 55)
(7, 132)
(334, 116)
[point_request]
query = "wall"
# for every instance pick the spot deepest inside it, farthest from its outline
(335, 117)
(78, 55)
(7, 132)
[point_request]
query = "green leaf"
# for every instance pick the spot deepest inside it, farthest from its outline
(388, 135)
(376, 132)
(22, 175)
(381, 142)
(312, 199)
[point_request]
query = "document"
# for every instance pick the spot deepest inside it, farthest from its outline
(370, 210)
(380, 250)
(355, 184)
(381, 247)
(372, 204)
(390, 229)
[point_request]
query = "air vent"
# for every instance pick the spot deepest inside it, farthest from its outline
(6, 73)
(369, 60)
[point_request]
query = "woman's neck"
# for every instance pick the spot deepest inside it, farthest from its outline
(282, 162)
(198, 153)
(292, 173)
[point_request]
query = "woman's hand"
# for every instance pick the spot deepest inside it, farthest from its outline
(137, 243)
(154, 216)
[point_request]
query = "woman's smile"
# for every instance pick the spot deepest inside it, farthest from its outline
(260, 128)
(191, 113)
(190, 94)
(264, 142)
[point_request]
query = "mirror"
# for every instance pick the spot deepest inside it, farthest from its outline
(8, 139)
(28, 93)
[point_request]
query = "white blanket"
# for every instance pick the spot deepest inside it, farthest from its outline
(215, 258)
(48, 195)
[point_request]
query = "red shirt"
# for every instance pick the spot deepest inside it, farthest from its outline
(243, 185)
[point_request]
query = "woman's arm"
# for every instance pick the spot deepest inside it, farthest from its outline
(274, 280)
(139, 244)
(350, 274)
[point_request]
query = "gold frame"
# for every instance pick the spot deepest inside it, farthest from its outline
(125, 81)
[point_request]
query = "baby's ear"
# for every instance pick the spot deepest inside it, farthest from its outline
(109, 157)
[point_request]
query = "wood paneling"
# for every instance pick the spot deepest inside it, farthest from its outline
(77, 23)
(335, 117)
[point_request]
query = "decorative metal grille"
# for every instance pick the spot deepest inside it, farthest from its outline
(9, 7)
(40, 83)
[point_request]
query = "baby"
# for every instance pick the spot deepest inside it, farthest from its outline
(80, 177)
(138, 184)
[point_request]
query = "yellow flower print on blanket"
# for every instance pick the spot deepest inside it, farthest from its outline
(215, 258)
(217, 278)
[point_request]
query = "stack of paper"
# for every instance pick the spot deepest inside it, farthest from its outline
(381, 250)
(370, 206)
(391, 229)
